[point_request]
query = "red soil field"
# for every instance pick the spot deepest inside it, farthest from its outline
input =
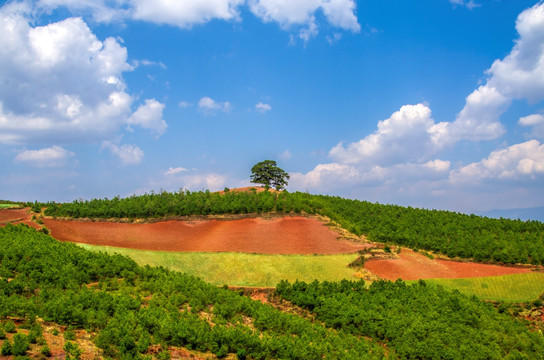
(414, 266)
(17, 216)
(286, 235)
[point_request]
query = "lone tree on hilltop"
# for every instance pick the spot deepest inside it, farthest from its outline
(269, 174)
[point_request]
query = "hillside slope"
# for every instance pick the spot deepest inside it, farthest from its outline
(449, 233)
(133, 309)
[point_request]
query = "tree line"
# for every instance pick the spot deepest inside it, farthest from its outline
(450, 233)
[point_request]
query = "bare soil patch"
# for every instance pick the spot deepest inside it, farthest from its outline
(257, 189)
(411, 265)
(17, 216)
(285, 235)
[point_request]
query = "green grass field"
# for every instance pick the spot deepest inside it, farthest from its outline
(237, 269)
(511, 288)
(7, 206)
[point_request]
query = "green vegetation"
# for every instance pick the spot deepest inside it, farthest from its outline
(8, 206)
(449, 233)
(238, 269)
(511, 288)
(417, 321)
(132, 307)
(269, 174)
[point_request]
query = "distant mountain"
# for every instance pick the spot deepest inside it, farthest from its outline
(536, 213)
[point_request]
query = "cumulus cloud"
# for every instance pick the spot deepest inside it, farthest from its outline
(128, 154)
(185, 14)
(520, 75)
(262, 108)
(178, 178)
(536, 123)
(149, 116)
(478, 120)
(61, 84)
(173, 171)
(209, 106)
(288, 14)
(520, 161)
(54, 156)
(405, 136)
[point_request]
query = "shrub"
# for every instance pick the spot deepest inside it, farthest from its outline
(20, 345)
(70, 334)
(6, 348)
(45, 351)
(72, 349)
(9, 327)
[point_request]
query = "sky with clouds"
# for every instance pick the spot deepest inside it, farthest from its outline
(429, 103)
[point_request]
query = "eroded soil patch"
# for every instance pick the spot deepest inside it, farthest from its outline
(285, 235)
(411, 265)
(17, 216)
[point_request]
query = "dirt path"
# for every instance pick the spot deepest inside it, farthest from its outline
(286, 235)
(412, 266)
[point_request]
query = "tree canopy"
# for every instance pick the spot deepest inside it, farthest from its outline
(269, 174)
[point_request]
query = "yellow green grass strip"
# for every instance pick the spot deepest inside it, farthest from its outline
(240, 269)
(510, 288)
(7, 206)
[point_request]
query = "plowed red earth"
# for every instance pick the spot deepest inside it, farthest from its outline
(17, 216)
(287, 235)
(413, 266)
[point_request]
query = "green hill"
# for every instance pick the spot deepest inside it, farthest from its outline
(131, 309)
(453, 234)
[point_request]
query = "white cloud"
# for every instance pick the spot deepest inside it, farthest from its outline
(479, 119)
(287, 13)
(403, 137)
(438, 165)
(339, 177)
(149, 116)
(54, 156)
(59, 82)
(470, 4)
(536, 122)
(213, 182)
(128, 154)
(149, 63)
(101, 10)
(262, 108)
(184, 104)
(520, 75)
(286, 155)
(517, 162)
(186, 13)
(178, 178)
(210, 106)
(173, 171)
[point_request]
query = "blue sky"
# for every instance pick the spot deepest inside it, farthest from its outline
(428, 103)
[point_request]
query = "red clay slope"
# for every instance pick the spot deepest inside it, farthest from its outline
(413, 266)
(17, 216)
(287, 235)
